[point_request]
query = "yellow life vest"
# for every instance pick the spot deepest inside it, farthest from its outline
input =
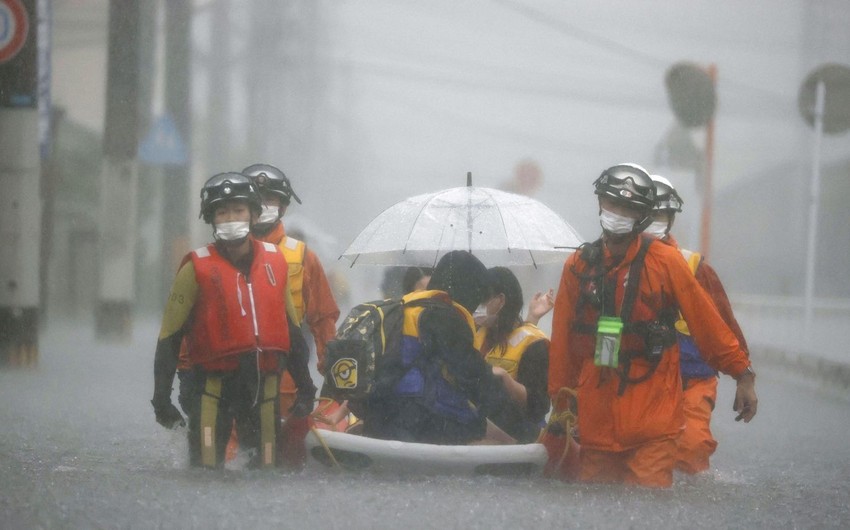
(294, 250)
(412, 313)
(518, 342)
(693, 259)
(413, 348)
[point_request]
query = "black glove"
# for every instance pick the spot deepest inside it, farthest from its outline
(167, 415)
(303, 405)
(164, 367)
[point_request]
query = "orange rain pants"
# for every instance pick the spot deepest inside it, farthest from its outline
(696, 444)
(650, 464)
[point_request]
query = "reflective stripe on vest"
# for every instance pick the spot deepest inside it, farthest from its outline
(294, 251)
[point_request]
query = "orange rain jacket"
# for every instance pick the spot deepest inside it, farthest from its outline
(650, 410)
(321, 309)
(696, 443)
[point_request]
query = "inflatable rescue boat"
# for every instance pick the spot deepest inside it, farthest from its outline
(356, 452)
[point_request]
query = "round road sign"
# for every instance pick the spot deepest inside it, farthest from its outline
(836, 108)
(14, 27)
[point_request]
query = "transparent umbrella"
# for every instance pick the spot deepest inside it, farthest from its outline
(499, 228)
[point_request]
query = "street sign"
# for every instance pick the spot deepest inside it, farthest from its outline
(14, 27)
(18, 54)
(836, 110)
(163, 145)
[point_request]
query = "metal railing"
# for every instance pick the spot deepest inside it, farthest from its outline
(777, 323)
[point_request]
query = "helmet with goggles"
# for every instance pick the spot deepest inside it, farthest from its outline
(629, 184)
(272, 180)
(228, 187)
(666, 197)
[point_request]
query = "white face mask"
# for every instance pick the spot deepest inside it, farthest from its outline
(615, 223)
(657, 229)
(232, 231)
(269, 215)
(482, 318)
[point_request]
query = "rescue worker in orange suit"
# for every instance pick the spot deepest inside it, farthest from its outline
(696, 443)
(229, 302)
(614, 342)
(311, 291)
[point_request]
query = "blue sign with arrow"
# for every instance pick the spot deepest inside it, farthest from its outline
(163, 145)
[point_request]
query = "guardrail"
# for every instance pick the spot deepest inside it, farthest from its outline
(774, 326)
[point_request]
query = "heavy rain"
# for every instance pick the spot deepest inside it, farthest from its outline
(113, 115)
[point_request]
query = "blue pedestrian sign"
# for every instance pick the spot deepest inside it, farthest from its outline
(163, 145)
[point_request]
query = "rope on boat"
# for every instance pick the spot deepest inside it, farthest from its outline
(564, 417)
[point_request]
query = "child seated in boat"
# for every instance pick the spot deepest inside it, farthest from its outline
(518, 351)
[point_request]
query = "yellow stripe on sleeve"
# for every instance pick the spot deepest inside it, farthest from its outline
(181, 300)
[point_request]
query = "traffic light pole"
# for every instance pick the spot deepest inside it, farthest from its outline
(707, 197)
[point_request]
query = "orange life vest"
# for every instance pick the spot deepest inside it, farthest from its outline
(235, 314)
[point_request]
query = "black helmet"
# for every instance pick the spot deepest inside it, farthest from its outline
(628, 183)
(666, 197)
(227, 187)
(271, 179)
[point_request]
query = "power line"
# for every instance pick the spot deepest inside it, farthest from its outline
(554, 90)
(579, 34)
(612, 46)
(494, 130)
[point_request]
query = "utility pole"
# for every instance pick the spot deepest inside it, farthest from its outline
(287, 91)
(20, 170)
(220, 71)
(175, 218)
(113, 313)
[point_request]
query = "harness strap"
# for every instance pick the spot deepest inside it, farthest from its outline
(629, 299)
(634, 276)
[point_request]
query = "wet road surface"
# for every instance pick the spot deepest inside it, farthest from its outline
(79, 448)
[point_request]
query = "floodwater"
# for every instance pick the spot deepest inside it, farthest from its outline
(79, 448)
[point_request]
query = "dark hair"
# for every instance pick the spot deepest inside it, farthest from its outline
(503, 281)
(463, 276)
(391, 283)
(413, 275)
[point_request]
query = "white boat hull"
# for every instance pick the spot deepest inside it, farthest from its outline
(356, 452)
